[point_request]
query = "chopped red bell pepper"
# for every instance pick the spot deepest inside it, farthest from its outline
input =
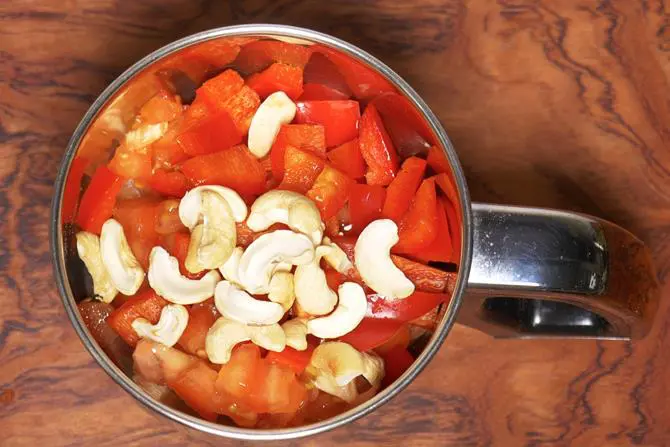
(145, 305)
(214, 53)
(440, 249)
(309, 137)
(418, 226)
(371, 332)
(396, 362)
(347, 158)
(401, 338)
(211, 133)
(454, 229)
(335, 279)
(447, 187)
(277, 77)
(402, 189)
(201, 317)
(407, 309)
(320, 92)
(256, 56)
(363, 81)
(169, 183)
(330, 191)
(365, 205)
(138, 219)
(301, 168)
(340, 118)
(377, 149)
(294, 359)
(72, 189)
(98, 201)
(167, 152)
(437, 160)
(321, 71)
(235, 167)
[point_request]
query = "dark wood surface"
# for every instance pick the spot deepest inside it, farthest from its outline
(561, 104)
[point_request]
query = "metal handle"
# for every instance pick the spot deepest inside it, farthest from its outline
(538, 272)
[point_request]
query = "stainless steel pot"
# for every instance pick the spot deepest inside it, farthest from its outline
(524, 272)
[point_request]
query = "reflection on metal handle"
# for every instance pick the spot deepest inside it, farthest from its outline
(538, 272)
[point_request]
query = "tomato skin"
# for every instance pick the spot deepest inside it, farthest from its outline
(277, 77)
(372, 332)
(201, 317)
(414, 306)
(212, 133)
(377, 149)
(145, 305)
(440, 249)
(72, 189)
(419, 225)
(365, 205)
(402, 189)
(258, 55)
(98, 201)
(308, 137)
(330, 191)
(169, 183)
(301, 168)
(348, 159)
(340, 118)
(320, 92)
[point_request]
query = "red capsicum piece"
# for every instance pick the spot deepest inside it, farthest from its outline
(145, 305)
(454, 229)
(98, 200)
(418, 227)
(402, 189)
(72, 189)
(177, 245)
(277, 77)
(440, 249)
(258, 55)
(447, 186)
(321, 71)
(377, 149)
(330, 191)
(309, 137)
(408, 309)
(292, 358)
(396, 362)
(437, 160)
(372, 332)
(340, 118)
(348, 159)
(169, 183)
(301, 168)
(320, 92)
(211, 133)
(365, 205)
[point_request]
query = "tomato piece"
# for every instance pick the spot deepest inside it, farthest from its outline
(196, 387)
(330, 191)
(301, 168)
(98, 201)
(167, 218)
(201, 317)
(321, 71)
(72, 189)
(320, 92)
(409, 131)
(212, 133)
(440, 249)
(277, 77)
(454, 229)
(131, 162)
(292, 358)
(235, 167)
(348, 159)
(177, 245)
(418, 226)
(340, 118)
(161, 107)
(281, 391)
(138, 219)
(408, 309)
(447, 186)
(365, 205)
(363, 81)
(309, 137)
(256, 56)
(167, 152)
(371, 332)
(214, 53)
(169, 183)
(396, 362)
(243, 376)
(145, 305)
(402, 189)
(377, 149)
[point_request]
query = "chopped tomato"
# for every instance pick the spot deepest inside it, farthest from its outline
(167, 217)
(282, 392)
(310, 137)
(340, 118)
(214, 53)
(278, 77)
(330, 191)
(447, 187)
(396, 362)
(98, 201)
(371, 332)
(320, 92)
(440, 249)
(362, 80)
(131, 162)
(407, 128)
(162, 107)
(258, 55)
(167, 152)
(72, 189)
(377, 149)
(301, 168)
(437, 160)
(138, 219)
(348, 159)
(211, 133)
(235, 167)
(201, 317)
(169, 183)
(335, 279)
(365, 205)
(402, 189)
(418, 227)
(292, 358)
(454, 229)
(321, 71)
(145, 305)
(177, 245)
(196, 387)
(407, 309)
(243, 376)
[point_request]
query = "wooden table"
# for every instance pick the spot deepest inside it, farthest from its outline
(561, 104)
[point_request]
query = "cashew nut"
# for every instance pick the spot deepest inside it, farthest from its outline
(230, 268)
(88, 247)
(372, 255)
(347, 315)
(281, 289)
(277, 109)
(290, 208)
(124, 271)
(262, 257)
(336, 364)
(311, 289)
(225, 334)
(190, 206)
(168, 282)
(236, 304)
(214, 235)
(296, 333)
(336, 258)
(170, 326)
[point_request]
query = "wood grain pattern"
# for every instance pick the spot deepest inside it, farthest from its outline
(549, 103)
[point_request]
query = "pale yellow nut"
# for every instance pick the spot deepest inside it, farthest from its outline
(311, 289)
(170, 326)
(124, 270)
(296, 333)
(336, 257)
(88, 248)
(190, 206)
(229, 270)
(348, 314)
(275, 110)
(281, 289)
(236, 304)
(225, 334)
